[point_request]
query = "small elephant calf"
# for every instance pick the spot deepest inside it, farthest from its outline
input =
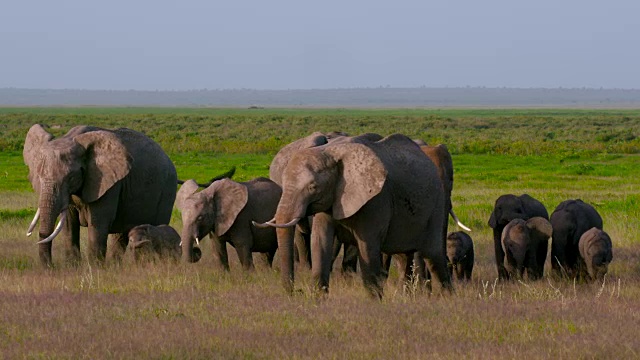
(460, 255)
(150, 241)
(595, 254)
(525, 245)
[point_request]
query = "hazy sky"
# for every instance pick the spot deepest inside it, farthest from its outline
(272, 44)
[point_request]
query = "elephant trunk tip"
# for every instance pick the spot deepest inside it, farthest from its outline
(57, 230)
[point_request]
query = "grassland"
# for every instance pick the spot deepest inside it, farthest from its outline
(159, 310)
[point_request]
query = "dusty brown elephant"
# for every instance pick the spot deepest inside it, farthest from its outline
(525, 245)
(225, 210)
(385, 192)
(106, 180)
(596, 253)
(150, 242)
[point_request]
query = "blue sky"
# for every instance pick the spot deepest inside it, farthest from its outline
(196, 44)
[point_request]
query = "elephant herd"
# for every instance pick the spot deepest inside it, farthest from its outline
(378, 197)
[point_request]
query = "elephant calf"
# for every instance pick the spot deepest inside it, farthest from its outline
(150, 241)
(225, 210)
(525, 245)
(595, 254)
(460, 255)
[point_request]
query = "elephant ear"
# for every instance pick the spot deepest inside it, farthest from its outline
(229, 199)
(187, 189)
(36, 137)
(540, 227)
(362, 177)
(492, 220)
(107, 161)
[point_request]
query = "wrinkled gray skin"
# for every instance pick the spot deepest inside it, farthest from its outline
(570, 220)
(106, 180)
(303, 229)
(460, 255)
(163, 241)
(225, 210)
(525, 245)
(386, 193)
(595, 254)
(507, 208)
(441, 158)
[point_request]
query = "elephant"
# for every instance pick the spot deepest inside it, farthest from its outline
(385, 192)
(570, 220)
(595, 249)
(225, 210)
(106, 180)
(525, 244)
(508, 207)
(303, 229)
(460, 255)
(162, 241)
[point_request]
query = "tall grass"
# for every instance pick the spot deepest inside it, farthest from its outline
(169, 310)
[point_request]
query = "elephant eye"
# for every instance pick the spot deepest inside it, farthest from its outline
(200, 218)
(313, 187)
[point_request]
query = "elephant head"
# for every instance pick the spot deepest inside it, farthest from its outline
(212, 210)
(456, 247)
(148, 240)
(509, 207)
(521, 243)
(86, 163)
(596, 252)
(283, 156)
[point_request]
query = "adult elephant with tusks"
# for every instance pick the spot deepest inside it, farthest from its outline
(106, 180)
(384, 192)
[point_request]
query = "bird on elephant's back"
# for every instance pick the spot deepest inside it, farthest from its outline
(106, 180)
(382, 190)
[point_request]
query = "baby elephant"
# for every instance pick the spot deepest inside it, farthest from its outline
(595, 254)
(150, 241)
(460, 255)
(225, 210)
(525, 245)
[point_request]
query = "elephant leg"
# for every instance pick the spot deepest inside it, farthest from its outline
(350, 258)
(71, 237)
(97, 245)
(503, 274)
(558, 260)
(270, 256)
(117, 246)
(386, 265)
(322, 237)
(370, 267)
(246, 257)
(302, 243)
(220, 256)
(419, 266)
(337, 246)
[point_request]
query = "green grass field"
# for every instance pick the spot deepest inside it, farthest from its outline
(165, 310)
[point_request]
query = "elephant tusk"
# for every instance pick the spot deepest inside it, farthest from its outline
(455, 218)
(197, 241)
(33, 223)
(57, 230)
(271, 223)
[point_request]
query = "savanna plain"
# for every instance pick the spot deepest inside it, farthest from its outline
(169, 310)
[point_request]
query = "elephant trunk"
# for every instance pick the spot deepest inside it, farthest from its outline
(290, 211)
(186, 244)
